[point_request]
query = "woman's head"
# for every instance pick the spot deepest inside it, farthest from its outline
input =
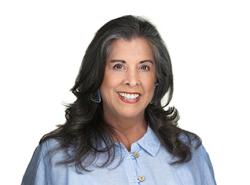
(127, 28)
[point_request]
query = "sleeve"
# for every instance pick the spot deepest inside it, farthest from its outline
(36, 171)
(206, 168)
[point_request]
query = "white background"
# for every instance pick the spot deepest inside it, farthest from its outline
(42, 44)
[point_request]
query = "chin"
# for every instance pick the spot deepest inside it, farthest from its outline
(131, 114)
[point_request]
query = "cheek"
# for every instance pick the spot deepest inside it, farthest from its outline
(108, 86)
(110, 82)
(149, 83)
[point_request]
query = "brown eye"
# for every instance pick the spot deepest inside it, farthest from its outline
(118, 67)
(145, 68)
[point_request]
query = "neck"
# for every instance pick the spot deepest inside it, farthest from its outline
(127, 130)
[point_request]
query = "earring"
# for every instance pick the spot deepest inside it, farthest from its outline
(96, 97)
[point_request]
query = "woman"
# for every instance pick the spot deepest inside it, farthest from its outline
(117, 132)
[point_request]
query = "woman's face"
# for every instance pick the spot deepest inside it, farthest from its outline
(129, 78)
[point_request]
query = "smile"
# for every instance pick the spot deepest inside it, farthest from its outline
(129, 97)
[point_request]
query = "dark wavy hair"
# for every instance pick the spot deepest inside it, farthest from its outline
(85, 129)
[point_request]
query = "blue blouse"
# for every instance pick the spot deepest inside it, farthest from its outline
(148, 163)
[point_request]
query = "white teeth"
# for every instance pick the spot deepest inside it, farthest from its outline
(129, 96)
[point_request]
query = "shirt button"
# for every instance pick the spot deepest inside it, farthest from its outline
(141, 178)
(136, 154)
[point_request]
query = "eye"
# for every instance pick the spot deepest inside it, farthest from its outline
(118, 67)
(145, 67)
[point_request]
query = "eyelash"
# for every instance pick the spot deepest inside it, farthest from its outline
(118, 67)
(148, 67)
(115, 67)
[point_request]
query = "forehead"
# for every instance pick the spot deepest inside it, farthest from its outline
(133, 49)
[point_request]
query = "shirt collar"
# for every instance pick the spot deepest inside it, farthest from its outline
(149, 142)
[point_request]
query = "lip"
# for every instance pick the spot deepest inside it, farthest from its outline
(126, 100)
(129, 92)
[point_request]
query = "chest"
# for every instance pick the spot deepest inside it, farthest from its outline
(137, 168)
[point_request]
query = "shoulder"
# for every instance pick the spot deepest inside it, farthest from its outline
(43, 149)
(200, 153)
(190, 139)
(197, 149)
(43, 168)
(51, 151)
(202, 160)
(39, 164)
(49, 145)
(46, 146)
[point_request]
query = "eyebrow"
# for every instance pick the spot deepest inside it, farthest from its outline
(123, 61)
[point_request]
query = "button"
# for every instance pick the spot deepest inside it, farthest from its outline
(141, 178)
(136, 154)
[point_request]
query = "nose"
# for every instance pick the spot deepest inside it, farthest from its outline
(132, 78)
